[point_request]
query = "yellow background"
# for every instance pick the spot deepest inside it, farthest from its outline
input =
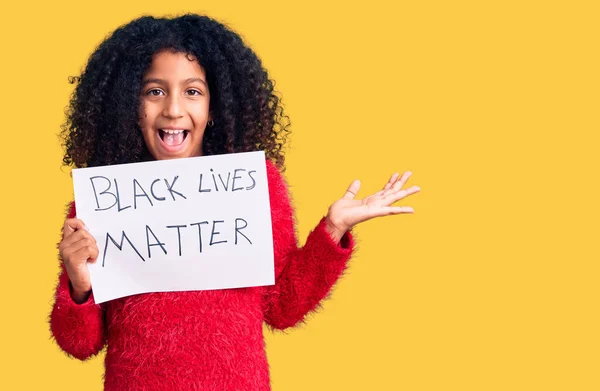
(494, 105)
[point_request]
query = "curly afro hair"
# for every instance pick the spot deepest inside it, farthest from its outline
(102, 124)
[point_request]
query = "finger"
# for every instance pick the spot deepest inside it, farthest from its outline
(74, 242)
(398, 195)
(392, 180)
(394, 210)
(75, 237)
(87, 240)
(69, 240)
(82, 255)
(400, 183)
(94, 254)
(386, 211)
(352, 190)
(397, 185)
(388, 185)
(72, 225)
(396, 189)
(84, 246)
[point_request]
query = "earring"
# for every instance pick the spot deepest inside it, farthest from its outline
(210, 123)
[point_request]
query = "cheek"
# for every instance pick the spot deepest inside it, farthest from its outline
(145, 125)
(144, 115)
(145, 128)
(200, 117)
(201, 112)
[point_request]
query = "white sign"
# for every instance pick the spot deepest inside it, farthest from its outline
(176, 225)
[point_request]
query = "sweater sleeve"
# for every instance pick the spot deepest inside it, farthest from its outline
(77, 328)
(305, 275)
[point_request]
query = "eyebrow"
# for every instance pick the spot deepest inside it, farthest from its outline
(186, 81)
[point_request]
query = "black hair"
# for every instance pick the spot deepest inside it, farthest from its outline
(102, 124)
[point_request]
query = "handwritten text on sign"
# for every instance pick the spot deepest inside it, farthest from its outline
(175, 225)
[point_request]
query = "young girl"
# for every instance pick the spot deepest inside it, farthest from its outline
(173, 88)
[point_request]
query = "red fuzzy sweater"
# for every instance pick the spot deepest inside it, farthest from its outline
(204, 340)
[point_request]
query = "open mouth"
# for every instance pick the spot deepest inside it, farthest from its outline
(173, 137)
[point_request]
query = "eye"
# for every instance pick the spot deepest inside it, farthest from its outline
(154, 92)
(194, 92)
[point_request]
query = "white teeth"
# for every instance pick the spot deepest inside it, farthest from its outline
(173, 131)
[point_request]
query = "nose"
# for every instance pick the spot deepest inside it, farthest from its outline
(172, 108)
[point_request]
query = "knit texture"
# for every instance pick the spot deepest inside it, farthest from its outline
(204, 340)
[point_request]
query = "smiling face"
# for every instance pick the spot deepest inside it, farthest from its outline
(174, 106)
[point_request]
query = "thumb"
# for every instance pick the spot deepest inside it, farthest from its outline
(352, 190)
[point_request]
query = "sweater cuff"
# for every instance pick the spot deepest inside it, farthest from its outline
(77, 328)
(344, 248)
(328, 256)
(66, 304)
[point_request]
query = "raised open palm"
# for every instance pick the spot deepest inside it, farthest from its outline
(349, 211)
